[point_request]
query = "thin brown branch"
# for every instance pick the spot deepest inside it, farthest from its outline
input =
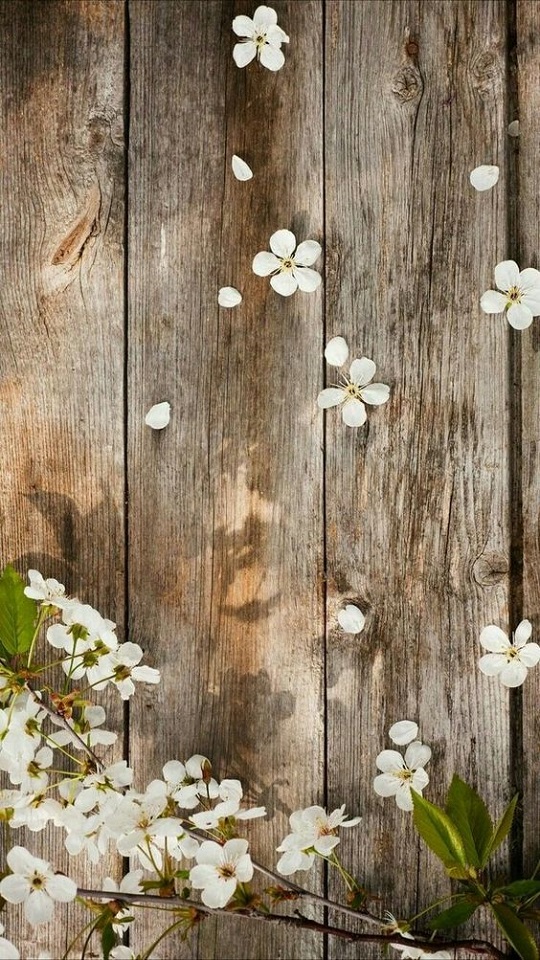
(63, 723)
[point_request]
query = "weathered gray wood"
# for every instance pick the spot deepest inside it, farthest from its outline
(61, 324)
(527, 345)
(226, 503)
(418, 500)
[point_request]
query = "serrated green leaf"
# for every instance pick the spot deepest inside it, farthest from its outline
(17, 613)
(521, 888)
(518, 935)
(108, 940)
(437, 830)
(456, 914)
(503, 827)
(469, 813)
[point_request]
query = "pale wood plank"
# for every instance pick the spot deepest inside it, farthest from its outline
(418, 501)
(225, 504)
(61, 324)
(527, 343)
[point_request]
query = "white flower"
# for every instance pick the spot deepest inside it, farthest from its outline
(400, 773)
(355, 392)
(520, 297)
(8, 950)
(507, 660)
(158, 416)
(185, 783)
(31, 773)
(48, 591)
(289, 264)
(403, 732)
(140, 829)
(416, 953)
(231, 793)
(263, 39)
(229, 297)
(87, 729)
(219, 870)
(241, 169)
(122, 953)
(125, 671)
(131, 883)
(33, 883)
(484, 177)
(513, 128)
(34, 811)
(98, 787)
(314, 831)
(394, 926)
(351, 619)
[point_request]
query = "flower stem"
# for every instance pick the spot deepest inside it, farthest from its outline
(42, 616)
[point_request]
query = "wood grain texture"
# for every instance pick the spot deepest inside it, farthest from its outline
(61, 321)
(418, 500)
(528, 349)
(226, 504)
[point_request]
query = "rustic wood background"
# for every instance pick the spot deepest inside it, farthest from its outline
(225, 544)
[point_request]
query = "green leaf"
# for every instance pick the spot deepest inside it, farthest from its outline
(437, 830)
(503, 827)
(518, 935)
(521, 888)
(108, 940)
(456, 914)
(470, 815)
(17, 613)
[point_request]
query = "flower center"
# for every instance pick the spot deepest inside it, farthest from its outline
(38, 882)
(323, 830)
(226, 870)
(260, 41)
(353, 391)
(287, 264)
(404, 775)
(511, 653)
(514, 294)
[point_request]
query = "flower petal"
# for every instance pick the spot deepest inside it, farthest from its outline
(404, 797)
(493, 302)
(375, 394)
(351, 619)
(307, 253)
(354, 413)
(417, 755)
(386, 785)
(61, 888)
(263, 18)
(325, 845)
(519, 316)
(158, 416)
(271, 57)
(494, 639)
(484, 177)
(513, 674)
(403, 732)
(522, 633)
(389, 761)
(14, 888)
(219, 893)
(330, 397)
(275, 36)
(362, 371)
(39, 907)
(283, 243)
(284, 283)
(243, 27)
(507, 274)
(241, 169)
(492, 664)
(244, 53)
(336, 351)
(513, 128)
(265, 263)
(530, 654)
(308, 280)
(229, 297)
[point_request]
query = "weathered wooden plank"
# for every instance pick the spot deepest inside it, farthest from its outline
(527, 344)
(418, 500)
(61, 321)
(225, 504)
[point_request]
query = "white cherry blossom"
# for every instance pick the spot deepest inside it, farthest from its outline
(33, 883)
(125, 670)
(220, 869)
(261, 38)
(508, 660)
(130, 883)
(356, 391)
(520, 296)
(314, 831)
(289, 264)
(400, 773)
(49, 592)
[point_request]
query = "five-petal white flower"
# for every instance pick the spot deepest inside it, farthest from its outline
(508, 660)
(220, 869)
(289, 264)
(261, 38)
(314, 831)
(400, 773)
(33, 882)
(520, 296)
(355, 392)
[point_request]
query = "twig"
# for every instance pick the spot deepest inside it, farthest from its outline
(477, 947)
(63, 723)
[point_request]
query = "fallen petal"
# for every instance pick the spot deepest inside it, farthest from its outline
(229, 297)
(241, 169)
(484, 177)
(351, 619)
(158, 416)
(404, 731)
(513, 128)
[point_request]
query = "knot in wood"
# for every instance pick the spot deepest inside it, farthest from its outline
(489, 569)
(407, 84)
(486, 73)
